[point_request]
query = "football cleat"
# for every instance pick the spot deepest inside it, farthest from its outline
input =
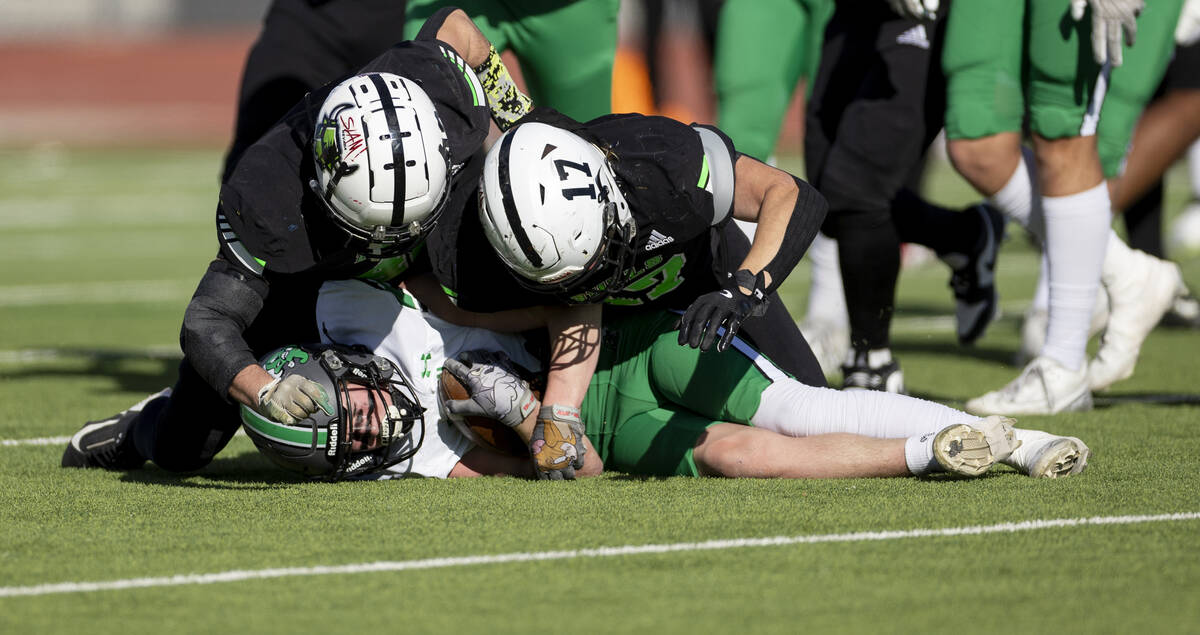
(1037, 320)
(964, 450)
(1139, 294)
(872, 370)
(973, 279)
(1048, 456)
(1044, 387)
(1184, 313)
(829, 342)
(108, 443)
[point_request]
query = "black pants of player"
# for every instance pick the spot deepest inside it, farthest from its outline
(775, 334)
(877, 103)
(184, 433)
(305, 44)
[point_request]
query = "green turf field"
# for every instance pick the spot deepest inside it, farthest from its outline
(100, 253)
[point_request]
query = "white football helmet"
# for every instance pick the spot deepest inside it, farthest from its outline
(383, 168)
(551, 208)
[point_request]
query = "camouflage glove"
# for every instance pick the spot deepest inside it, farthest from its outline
(292, 398)
(506, 101)
(496, 390)
(557, 445)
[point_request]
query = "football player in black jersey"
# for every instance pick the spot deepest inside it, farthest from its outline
(356, 180)
(633, 211)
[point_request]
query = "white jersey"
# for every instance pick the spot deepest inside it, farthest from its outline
(392, 324)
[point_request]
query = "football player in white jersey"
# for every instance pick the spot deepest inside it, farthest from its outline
(657, 408)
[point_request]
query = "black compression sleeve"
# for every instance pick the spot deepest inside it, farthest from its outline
(225, 303)
(433, 23)
(807, 216)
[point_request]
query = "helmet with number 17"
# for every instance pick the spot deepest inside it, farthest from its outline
(383, 168)
(551, 208)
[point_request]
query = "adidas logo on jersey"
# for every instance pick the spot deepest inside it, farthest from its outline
(914, 37)
(658, 240)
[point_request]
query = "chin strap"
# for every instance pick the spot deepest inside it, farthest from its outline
(506, 101)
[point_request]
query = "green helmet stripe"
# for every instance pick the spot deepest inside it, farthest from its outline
(279, 432)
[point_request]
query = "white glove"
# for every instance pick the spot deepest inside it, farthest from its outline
(1109, 19)
(916, 9)
(292, 398)
(1187, 32)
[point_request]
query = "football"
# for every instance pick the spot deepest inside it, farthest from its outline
(482, 431)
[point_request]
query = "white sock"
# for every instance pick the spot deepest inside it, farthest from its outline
(792, 408)
(1041, 295)
(1018, 199)
(826, 298)
(1194, 169)
(918, 454)
(1077, 231)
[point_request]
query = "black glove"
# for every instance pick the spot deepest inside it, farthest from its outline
(727, 307)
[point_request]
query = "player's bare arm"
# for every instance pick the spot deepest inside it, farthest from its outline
(506, 101)
(789, 212)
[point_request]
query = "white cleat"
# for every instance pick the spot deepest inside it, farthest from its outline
(829, 341)
(1043, 388)
(1139, 295)
(1049, 456)
(1000, 434)
(964, 450)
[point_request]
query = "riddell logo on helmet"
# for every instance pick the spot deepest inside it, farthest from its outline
(331, 445)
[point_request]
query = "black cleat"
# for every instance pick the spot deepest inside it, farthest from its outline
(884, 376)
(107, 443)
(973, 279)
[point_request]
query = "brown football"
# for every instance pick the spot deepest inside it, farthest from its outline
(488, 433)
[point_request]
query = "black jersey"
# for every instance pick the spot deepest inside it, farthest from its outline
(678, 182)
(270, 220)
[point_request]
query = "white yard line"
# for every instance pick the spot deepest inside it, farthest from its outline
(600, 552)
(9, 443)
(96, 292)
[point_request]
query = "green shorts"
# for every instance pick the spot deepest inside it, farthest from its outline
(763, 48)
(651, 399)
(1005, 58)
(566, 49)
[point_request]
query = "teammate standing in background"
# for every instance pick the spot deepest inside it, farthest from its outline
(1036, 61)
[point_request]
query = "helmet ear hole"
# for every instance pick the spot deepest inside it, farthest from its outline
(546, 205)
(381, 160)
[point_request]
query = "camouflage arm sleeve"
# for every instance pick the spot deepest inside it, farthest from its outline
(506, 101)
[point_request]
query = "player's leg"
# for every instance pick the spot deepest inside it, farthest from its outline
(566, 52)
(303, 45)
(880, 133)
(1062, 105)
(758, 60)
(737, 451)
